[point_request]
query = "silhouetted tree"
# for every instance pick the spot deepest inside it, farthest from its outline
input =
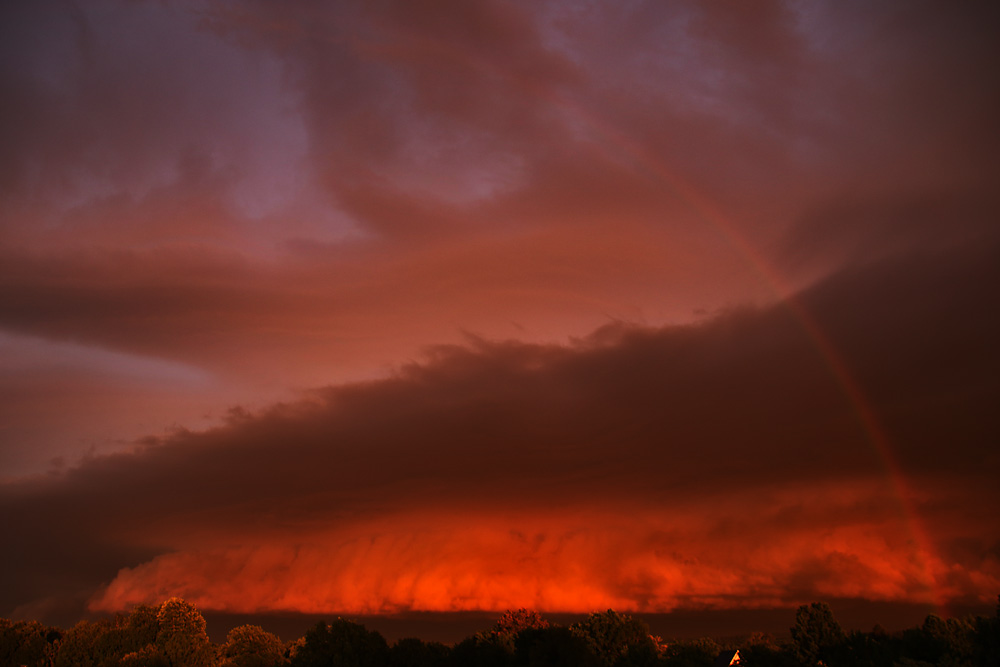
(342, 643)
(815, 634)
(173, 634)
(512, 622)
(481, 650)
(80, 646)
(939, 641)
(252, 646)
(181, 637)
(553, 647)
(412, 652)
(293, 647)
(953, 638)
(27, 643)
(613, 636)
(986, 639)
(762, 650)
(869, 649)
(141, 626)
(149, 656)
(105, 643)
(697, 653)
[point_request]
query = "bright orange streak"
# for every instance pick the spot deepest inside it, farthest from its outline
(634, 558)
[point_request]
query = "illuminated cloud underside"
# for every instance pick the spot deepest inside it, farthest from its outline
(369, 307)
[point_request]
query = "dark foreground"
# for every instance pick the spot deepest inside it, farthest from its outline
(174, 634)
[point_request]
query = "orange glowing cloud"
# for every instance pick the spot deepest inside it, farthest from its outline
(715, 465)
(635, 559)
(639, 305)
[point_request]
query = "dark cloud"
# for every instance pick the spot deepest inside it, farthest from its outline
(633, 423)
(854, 231)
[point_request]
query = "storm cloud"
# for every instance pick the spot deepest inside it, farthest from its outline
(618, 470)
(370, 307)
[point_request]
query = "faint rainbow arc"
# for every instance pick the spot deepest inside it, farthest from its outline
(703, 208)
(855, 395)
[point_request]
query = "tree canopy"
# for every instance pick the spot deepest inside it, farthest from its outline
(174, 634)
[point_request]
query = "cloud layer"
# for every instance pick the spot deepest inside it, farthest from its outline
(712, 465)
(645, 305)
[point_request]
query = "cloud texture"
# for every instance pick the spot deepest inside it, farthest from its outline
(571, 306)
(718, 464)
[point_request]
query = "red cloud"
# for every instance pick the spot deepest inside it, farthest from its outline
(569, 561)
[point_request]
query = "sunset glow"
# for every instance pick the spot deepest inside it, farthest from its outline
(588, 560)
(377, 308)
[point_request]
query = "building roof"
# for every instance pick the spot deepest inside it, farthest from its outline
(727, 658)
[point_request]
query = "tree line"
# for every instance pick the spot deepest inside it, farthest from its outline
(173, 634)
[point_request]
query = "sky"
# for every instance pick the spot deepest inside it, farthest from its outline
(389, 307)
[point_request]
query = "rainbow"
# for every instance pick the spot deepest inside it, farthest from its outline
(704, 209)
(612, 138)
